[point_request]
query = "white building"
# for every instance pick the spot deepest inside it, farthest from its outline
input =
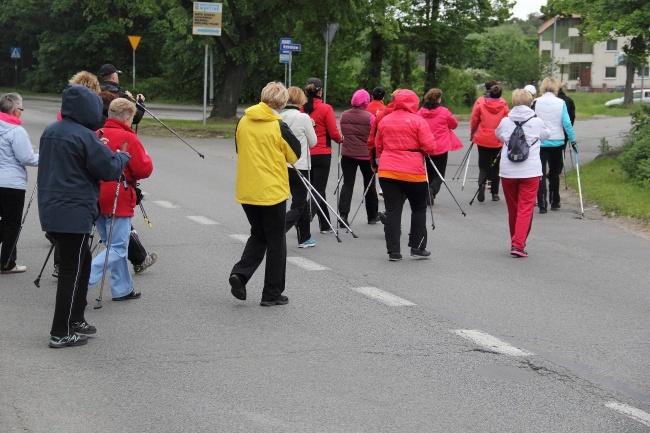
(582, 65)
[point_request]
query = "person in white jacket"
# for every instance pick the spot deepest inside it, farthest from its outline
(302, 127)
(521, 179)
(15, 153)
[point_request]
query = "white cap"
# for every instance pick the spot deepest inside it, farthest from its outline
(530, 88)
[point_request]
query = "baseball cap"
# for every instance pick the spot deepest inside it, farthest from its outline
(107, 70)
(316, 82)
(531, 89)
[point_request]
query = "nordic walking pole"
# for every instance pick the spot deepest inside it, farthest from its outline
(372, 179)
(445, 182)
(312, 190)
(37, 281)
(338, 184)
(309, 191)
(108, 248)
(582, 209)
(462, 162)
(144, 215)
(168, 128)
(22, 223)
(433, 224)
(486, 177)
(469, 155)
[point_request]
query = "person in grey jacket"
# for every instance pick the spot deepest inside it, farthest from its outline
(72, 162)
(15, 153)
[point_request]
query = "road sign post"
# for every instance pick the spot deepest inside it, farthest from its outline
(15, 56)
(206, 21)
(287, 47)
(135, 41)
(328, 35)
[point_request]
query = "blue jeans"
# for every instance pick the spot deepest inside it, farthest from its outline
(118, 265)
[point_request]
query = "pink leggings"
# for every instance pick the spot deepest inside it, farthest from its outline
(520, 198)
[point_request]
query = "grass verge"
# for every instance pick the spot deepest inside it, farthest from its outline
(214, 128)
(606, 184)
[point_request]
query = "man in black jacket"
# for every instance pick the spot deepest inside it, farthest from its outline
(571, 108)
(72, 162)
(109, 79)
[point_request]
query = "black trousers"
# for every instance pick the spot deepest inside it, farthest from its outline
(11, 209)
(72, 285)
(435, 182)
(267, 237)
(486, 156)
(349, 168)
(416, 193)
(298, 214)
(320, 172)
(552, 157)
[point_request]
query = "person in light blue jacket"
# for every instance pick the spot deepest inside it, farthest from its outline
(15, 153)
(553, 111)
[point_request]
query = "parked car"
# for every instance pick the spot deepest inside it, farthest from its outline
(636, 98)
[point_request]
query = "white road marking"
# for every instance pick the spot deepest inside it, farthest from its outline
(632, 412)
(166, 204)
(306, 264)
(491, 343)
(383, 296)
(240, 238)
(202, 220)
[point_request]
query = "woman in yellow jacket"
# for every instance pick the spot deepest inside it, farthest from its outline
(264, 146)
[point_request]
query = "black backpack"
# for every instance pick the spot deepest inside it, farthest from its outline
(517, 145)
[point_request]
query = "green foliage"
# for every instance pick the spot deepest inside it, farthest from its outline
(604, 145)
(635, 158)
(457, 86)
(640, 118)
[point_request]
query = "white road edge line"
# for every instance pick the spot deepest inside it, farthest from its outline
(202, 220)
(240, 238)
(306, 264)
(632, 412)
(491, 343)
(166, 204)
(383, 297)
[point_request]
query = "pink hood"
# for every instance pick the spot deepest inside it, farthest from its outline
(361, 98)
(407, 100)
(10, 119)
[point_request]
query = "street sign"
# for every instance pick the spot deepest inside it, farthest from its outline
(328, 33)
(285, 58)
(284, 41)
(206, 19)
(134, 40)
(290, 47)
(15, 53)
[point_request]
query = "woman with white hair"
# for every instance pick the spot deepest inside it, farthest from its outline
(15, 153)
(262, 188)
(553, 111)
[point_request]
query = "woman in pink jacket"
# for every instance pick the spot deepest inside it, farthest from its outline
(442, 124)
(402, 139)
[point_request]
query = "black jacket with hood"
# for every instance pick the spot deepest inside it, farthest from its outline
(72, 162)
(114, 88)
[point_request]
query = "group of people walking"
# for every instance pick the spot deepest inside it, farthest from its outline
(406, 147)
(89, 164)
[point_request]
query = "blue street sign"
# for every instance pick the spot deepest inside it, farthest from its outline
(15, 53)
(290, 47)
(284, 41)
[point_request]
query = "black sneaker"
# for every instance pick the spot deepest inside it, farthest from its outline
(282, 300)
(132, 295)
(394, 257)
(495, 197)
(420, 253)
(555, 206)
(237, 287)
(83, 328)
(382, 217)
(68, 341)
(55, 273)
(542, 210)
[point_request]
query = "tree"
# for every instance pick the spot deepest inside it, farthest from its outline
(604, 19)
(438, 28)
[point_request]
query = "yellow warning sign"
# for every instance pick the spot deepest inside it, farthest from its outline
(135, 40)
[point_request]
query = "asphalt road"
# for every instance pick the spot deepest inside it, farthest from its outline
(470, 340)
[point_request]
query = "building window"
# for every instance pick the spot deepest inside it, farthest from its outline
(612, 45)
(645, 72)
(610, 72)
(579, 45)
(574, 71)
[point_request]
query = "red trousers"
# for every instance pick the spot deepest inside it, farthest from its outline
(520, 199)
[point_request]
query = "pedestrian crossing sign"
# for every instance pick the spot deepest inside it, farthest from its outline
(15, 53)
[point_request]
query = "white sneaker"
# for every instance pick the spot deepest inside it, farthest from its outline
(308, 243)
(16, 270)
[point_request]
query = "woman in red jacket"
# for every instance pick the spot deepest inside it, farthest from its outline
(485, 119)
(442, 124)
(117, 130)
(322, 115)
(402, 139)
